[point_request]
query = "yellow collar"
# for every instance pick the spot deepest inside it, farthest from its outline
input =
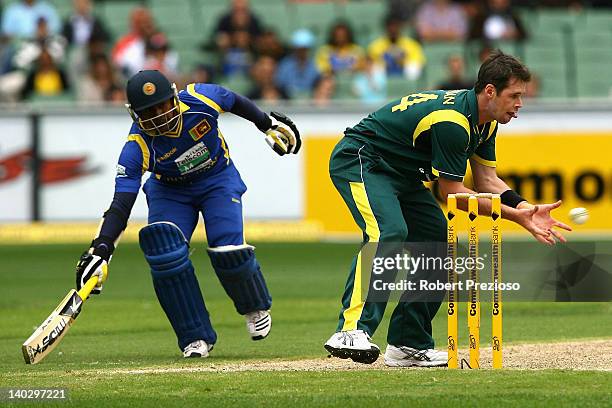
(183, 107)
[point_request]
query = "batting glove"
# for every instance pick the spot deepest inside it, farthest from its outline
(283, 136)
(91, 265)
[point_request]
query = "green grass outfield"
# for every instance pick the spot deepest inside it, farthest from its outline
(125, 329)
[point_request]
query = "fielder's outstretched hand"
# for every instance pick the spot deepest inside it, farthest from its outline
(538, 221)
(283, 136)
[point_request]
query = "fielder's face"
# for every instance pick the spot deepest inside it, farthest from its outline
(504, 105)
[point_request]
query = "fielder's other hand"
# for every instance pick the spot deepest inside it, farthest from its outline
(538, 220)
(283, 136)
(91, 265)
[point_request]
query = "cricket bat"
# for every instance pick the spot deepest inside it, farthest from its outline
(48, 335)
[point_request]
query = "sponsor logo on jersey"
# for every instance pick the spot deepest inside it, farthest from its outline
(166, 155)
(121, 172)
(195, 159)
(200, 130)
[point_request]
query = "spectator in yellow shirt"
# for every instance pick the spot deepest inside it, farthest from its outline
(340, 54)
(46, 78)
(399, 54)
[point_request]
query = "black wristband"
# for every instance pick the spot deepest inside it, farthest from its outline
(103, 247)
(511, 198)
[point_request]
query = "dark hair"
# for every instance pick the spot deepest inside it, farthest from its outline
(392, 19)
(344, 25)
(498, 69)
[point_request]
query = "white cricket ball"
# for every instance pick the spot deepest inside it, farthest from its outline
(579, 215)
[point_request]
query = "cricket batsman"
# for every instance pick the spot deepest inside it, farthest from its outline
(379, 168)
(175, 136)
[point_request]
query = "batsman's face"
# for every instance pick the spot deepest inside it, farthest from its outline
(504, 105)
(159, 119)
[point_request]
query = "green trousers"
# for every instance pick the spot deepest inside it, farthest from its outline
(388, 207)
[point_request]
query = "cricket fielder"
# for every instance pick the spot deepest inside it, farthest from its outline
(379, 168)
(175, 136)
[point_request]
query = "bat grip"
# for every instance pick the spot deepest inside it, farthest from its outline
(88, 287)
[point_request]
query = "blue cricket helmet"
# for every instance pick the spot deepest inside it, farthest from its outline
(148, 88)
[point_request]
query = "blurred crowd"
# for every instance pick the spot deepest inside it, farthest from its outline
(43, 57)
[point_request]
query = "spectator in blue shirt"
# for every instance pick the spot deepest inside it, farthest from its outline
(297, 73)
(238, 59)
(20, 19)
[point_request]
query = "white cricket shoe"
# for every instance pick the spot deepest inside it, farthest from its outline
(258, 324)
(354, 344)
(404, 356)
(196, 349)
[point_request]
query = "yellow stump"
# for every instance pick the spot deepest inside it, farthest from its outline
(496, 268)
(473, 294)
(453, 331)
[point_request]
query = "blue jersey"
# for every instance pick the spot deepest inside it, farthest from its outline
(196, 149)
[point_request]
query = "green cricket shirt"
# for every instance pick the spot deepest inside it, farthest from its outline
(430, 134)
